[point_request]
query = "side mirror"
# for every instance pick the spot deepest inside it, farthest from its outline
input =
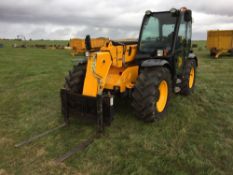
(88, 42)
(188, 15)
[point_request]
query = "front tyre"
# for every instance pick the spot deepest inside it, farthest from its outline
(152, 93)
(75, 79)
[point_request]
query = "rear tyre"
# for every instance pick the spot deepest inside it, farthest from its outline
(152, 93)
(189, 79)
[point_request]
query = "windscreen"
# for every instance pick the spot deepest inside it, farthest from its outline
(157, 32)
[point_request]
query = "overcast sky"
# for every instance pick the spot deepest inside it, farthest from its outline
(64, 19)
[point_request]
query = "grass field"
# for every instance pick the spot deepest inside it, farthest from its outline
(195, 137)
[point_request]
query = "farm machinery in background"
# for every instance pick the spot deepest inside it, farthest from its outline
(78, 45)
(149, 71)
(220, 42)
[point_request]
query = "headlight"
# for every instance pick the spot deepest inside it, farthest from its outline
(159, 52)
(148, 12)
(87, 54)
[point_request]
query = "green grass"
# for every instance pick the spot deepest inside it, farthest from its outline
(195, 136)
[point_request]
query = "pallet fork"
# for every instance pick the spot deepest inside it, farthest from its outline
(87, 102)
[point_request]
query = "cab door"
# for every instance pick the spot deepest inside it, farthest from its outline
(183, 43)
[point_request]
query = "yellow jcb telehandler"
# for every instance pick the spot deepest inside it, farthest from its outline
(160, 63)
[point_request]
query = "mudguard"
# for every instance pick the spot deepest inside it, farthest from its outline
(193, 56)
(154, 62)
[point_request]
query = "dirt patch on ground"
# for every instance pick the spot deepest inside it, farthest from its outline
(3, 172)
(6, 141)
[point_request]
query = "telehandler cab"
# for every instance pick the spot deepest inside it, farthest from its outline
(161, 62)
(150, 70)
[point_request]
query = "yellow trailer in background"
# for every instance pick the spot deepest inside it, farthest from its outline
(78, 45)
(220, 42)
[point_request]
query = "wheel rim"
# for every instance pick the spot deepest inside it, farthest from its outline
(163, 94)
(191, 77)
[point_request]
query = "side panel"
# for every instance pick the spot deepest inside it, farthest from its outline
(121, 54)
(128, 78)
(122, 78)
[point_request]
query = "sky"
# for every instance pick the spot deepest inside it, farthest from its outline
(116, 19)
